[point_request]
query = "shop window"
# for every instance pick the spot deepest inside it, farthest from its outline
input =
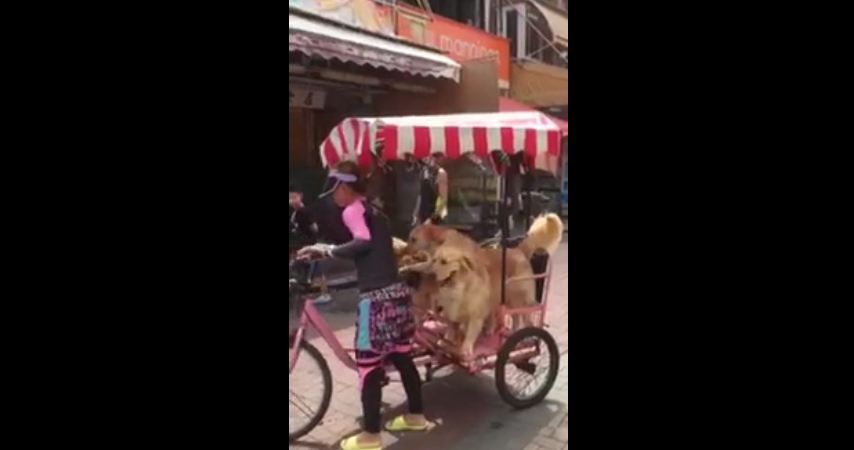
(557, 4)
(463, 11)
(511, 32)
(490, 17)
(537, 47)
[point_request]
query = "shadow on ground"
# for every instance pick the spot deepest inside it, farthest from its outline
(468, 414)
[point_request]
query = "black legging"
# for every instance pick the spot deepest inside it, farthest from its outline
(372, 390)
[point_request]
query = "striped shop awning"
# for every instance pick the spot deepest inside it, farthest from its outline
(319, 38)
(531, 133)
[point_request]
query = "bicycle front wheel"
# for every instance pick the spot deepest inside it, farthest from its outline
(309, 392)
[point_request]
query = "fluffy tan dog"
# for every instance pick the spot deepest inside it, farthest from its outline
(468, 277)
(545, 234)
(460, 278)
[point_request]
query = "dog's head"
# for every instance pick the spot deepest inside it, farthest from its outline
(427, 238)
(450, 260)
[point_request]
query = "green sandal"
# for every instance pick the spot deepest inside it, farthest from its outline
(399, 424)
(353, 444)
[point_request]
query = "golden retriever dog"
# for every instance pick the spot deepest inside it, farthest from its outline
(459, 278)
(468, 277)
(545, 234)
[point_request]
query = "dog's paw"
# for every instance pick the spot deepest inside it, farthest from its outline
(467, 353)
(421, 256)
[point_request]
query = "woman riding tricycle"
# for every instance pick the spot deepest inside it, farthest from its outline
(385, 327)
(387, 337)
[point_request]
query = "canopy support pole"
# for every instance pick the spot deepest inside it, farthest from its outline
(505, 231)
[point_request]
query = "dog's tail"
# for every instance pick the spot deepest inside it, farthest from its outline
(546, 233)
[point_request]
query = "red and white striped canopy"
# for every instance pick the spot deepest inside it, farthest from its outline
(533, 133)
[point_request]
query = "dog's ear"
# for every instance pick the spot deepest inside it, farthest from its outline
(435, 234)
(466, 263)
(400, 247)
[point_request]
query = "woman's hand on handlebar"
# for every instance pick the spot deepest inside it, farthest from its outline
(308, 253)
(317, 251)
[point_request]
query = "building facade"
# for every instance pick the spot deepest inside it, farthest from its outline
(415, 57)
(538, 38)
(348, 61)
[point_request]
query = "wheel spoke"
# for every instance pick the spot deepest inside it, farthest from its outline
(530, 380)
(524, 389)
(309, 399)
(299, 404)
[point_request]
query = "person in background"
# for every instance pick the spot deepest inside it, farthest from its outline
(434, 191)
(516, 177)
(380, 185)
(408, 174)
(304, 231)
(385, 326)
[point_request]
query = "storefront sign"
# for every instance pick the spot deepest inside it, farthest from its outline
(461, 42)
(358, 13)
(306, 98)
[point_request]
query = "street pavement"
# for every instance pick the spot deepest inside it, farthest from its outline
(466, 411)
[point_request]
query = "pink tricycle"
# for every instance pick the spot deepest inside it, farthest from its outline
(526, 361)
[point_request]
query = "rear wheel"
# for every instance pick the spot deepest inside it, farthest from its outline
(523, 381)
(309, 392)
